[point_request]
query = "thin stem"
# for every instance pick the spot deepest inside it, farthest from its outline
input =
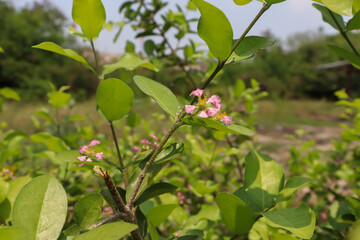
(114, 218)
(95, 56)
(123, 170)
(211, 162)
(178, 121)
(66, 171)
(343, 33)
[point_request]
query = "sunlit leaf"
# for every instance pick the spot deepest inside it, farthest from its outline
(9, 94)
(110, 231)
(242, 2)
(343, 7)
(53, 143)
(87, 210)
(326, 16)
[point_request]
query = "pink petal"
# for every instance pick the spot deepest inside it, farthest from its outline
(145, 142)
(82, 158)
(99, 155)
(198, 92)
(94, 143)
(212, 111)
(227, 120)
(215, 100)
(89, 160)
(83, 149)
(154, 137)
(190, 108)
(203, 114)
(135, 148)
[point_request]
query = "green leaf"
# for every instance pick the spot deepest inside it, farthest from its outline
(114, 98)
(159, 214)
(263, 180)
(133, 119)
(217, 126)
(52, 47)
(242, 2)
(4, 190)
(9, 94)
(15, 187)
(215, 29)
(343, 7)
(129, 61)
(1, 50)
(53, 143)
(356, 6)
(154, 191)
(354, 23)
(274, 1)
(87, 210)
(110, 231)
(351, 57)
(299, 221)
(132, 184)
(248, 47)
(68, 156)
(59, 99)
(236, 215)
(90, 15)
(41, 208)
(292, 185)
(202, 187)
(326, 16)
(13, 233)
(5, 210)
(142, 222)
(161, 94)
(76, 33)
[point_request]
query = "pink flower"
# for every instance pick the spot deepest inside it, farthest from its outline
(94, 143)
(135, 148)
(215, 100)
(227, 120)
(198, 92)
(190, 108)
(89, 160)
(154, 137)
(99, 155)
(203, 114)
(82, 158)
(145, 142)
(84, 149)
(211, 111)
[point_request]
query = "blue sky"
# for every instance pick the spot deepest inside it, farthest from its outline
(284, 19)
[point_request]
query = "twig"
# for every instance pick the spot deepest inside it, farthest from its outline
(114, 218)
(95, 56)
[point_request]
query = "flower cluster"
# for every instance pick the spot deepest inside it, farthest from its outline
(208, 107)
(181, 198)
(146, 144)
(89, 152)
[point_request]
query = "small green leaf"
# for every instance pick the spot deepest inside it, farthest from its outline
(264, 178)
(68, 156)
(76, 33)
(215, 29)
(236, 215)
(1, 50)
(215, 125)
(242, 2)
(4, 190)
(87, 210)
(354, 23)
(159, 214)
(299, 221)
(90, 15)
(274, 1)
(133, 119)
(326, 16)
(53, 143)
(110, 231)
(161, 94)
(202, 187)
(292, 185)
(5, 210)
(154, 191)
(9, 94)
(52, 47)
(15, 187)
(132, 184)
(343, 7)
(114, 98)
(59, 99)
(13, 233)
(41, 208)
(248, 47)
(129, 61)
(351, 57)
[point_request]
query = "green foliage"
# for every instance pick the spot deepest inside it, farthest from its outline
(351, 57)
(327, 17)
(354, 23)
(87, 210)
(343, 7)
(242, 2)
(111, 231)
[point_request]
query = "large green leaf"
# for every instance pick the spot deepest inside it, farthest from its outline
(236, 215)
(343, 7)
(356, 6)
(263, 180)
(110, 231)
(161, 94)
(41, 208)
(242, 2)
(326, 16)
(299, 221)
(154, 191)
(354, 23)
(13, 233)
(9, 94)
(248, 47)
(87, 210)
(4, 190)
(292, 185)
(53, 143)
(114, 98)
(159, 214)
(274, 1)
(217, 126)
(90, 15)
(215, 29)
(351, 57)
(15, 187)
(52, 47)
(129, 61)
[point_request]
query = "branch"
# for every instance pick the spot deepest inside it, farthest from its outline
(114, 218)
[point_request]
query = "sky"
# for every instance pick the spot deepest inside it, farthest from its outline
(283, 19)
